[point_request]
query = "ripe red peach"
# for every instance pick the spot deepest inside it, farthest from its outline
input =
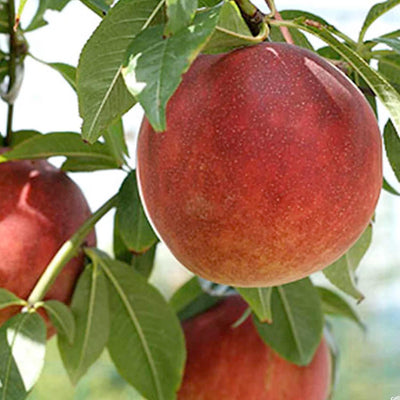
(269, 170)
(226, 363)
(40, 208)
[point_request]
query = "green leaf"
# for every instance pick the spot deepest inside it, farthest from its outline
(186, 294)
(180, 14)
(144, 263)
(298, 37)
(121, 251)
(392, 147)
(208, 3)
(67, 144)
(342, 272)
(134, 229)
(389, 97)
(61, 317)
(90, 309)
(102, 93)
(18, 137)
(334, 304)
(296, 330)
(146, 340)
(394, 43)
(154, 65)
(389, 188)
(67, 71)
(389, 66)
(393, 34)
(4, 16)
(259, 299)
(8, 299)
(22, 352)
(38, 20)
(100, 7)
(82, 164)
(190, 300)
(374, 13)
(231, 31)
(114, 138)
(3, 69)
(57, 5)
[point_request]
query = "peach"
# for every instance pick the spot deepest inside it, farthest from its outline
(269, 170)
(40, 208)
(226, 363)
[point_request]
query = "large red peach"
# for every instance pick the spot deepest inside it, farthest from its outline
(226, 363)
(40, 208)
(269, 170)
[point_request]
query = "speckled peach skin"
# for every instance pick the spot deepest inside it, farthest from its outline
(269, 170)
(225, 363)
(40, 208)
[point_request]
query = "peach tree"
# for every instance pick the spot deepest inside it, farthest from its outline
(139, 53)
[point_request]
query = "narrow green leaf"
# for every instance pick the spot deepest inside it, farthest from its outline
(296, 330)
(180, 14)
(389, 188)
(392, 147)
(3, 16)
(67, 71)
(57, 5)
(298, 37)
(38, 20)
(8, 299)
(342, 272)
(393, 43)
(114, 138)
(374, 13)
(61, 317)
(186, 294)
(121, 251)
(22, 352)
(88, 164)
(259, 299)
(102, 93)
(3, 69)
(389, 66)
(154, 65)
(231, 31)
(90, 309)
(18, 137)
(191, 299)
(146, 341)
(144, 263)
(134, 229)
(389, 97)
(393, 34)
(67, 144)
(334, 304)
(208, 3)
(100, 7)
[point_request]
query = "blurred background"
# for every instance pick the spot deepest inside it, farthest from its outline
(369, 361)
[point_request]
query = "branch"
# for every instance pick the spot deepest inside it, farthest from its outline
(68, 251)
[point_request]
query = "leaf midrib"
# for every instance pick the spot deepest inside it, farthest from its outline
(291, 321)
(137, 326)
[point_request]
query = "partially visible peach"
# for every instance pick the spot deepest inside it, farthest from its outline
(226, 363)
(40, 208)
